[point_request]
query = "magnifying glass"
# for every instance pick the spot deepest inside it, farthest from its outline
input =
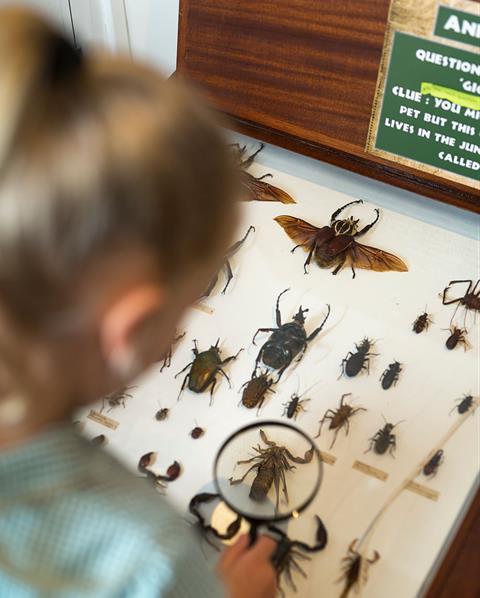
(267, 472)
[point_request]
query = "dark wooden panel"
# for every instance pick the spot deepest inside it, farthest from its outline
(301, 74)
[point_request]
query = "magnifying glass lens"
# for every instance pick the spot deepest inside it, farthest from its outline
(268, 471)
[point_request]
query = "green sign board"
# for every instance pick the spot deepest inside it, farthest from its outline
(431, 105)
(458, 25)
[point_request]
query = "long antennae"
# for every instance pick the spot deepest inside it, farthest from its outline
(309, 389)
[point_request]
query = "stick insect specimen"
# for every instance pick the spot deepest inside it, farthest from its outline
(226, 264)
(289, 552)
(204, 369)
(339, 418)
(353, 564)
(470, 300)
(270, 465)
(336, 245)
(167, 360)
(255, 188)
(116, 398)
(286, 341)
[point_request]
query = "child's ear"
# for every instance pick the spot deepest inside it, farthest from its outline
(120, 322)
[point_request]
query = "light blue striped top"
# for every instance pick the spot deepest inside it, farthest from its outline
(75, 523)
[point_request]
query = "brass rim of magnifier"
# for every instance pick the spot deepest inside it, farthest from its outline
(289, 514)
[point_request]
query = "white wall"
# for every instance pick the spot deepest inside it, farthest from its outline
(153, 26)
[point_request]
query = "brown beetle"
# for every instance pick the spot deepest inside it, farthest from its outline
(255, 391)
(197, 432)
(422, 322)
(336, 245)
(457, 336)
(339, 418)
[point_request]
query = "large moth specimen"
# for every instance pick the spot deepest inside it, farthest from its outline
(335, 245)
(255, 188)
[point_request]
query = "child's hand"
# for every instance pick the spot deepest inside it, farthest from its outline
(248, 571)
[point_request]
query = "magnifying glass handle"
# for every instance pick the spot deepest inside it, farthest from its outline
(252, 533)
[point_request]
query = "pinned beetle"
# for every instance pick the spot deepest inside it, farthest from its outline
(359, 360)
(431, 467)
(286, 341)
(204, 369)
(390, 375)
(255, 391)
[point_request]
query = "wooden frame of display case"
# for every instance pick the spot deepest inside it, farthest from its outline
(302, 75)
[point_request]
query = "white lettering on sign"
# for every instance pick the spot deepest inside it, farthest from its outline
(470, 28)
(459, 160)
(399, 125)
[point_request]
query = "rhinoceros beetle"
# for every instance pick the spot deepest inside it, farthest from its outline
(286, 341)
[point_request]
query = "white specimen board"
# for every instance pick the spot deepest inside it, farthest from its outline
(380, 306)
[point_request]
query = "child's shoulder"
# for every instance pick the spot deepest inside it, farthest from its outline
(71, 509)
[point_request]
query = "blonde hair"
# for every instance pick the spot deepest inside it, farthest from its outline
(96, 152)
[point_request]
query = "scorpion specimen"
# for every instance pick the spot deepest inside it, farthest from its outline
(470, 300)
(336, 245)
(288, 552)
(204, 369)
(116, 398)
(145, 463)
(255, 391)
(167, 360)
(255, 187)
(207, 529)
(339, 418)
(226, 264)
(286, 341)
(352, 567)
(354, 363)
(270, 465)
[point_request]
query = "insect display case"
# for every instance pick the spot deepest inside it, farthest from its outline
(344, 294)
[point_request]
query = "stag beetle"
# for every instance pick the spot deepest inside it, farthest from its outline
(289, 551)
(286, 341)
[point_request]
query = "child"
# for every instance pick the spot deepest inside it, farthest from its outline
(117, 202)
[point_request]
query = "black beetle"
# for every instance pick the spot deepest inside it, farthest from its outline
(464, 404)
(354, 363)
(294, 407)
(431, 467)
(286, 341)
(204, 369)
(255, 391)
(384, 440)
(390, 375)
